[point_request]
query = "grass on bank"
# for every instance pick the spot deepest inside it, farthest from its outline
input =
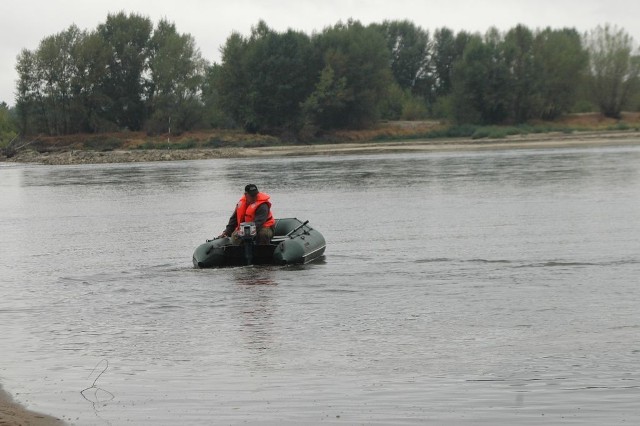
(502, 132)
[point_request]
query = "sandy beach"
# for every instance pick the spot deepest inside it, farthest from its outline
(12, 414)
(531, 141)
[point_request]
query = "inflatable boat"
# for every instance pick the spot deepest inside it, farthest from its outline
(293, 242)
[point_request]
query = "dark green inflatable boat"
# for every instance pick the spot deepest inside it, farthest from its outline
(293, 242)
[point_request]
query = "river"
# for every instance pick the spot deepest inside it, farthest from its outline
(494, 287)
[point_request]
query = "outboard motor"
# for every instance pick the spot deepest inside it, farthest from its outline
(248, 232)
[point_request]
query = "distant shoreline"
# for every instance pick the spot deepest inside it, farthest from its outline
(530, 141)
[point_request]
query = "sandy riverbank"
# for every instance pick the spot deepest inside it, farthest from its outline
(546, 140)
(12, 414)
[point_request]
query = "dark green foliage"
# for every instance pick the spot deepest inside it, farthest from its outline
(409, 48)
(8, 131)
(282, 69)
(289, 83)
(518, 76)
(523, 82)
(355, 67)
(215, 113)
(121, 76)
(124, 83)
(230, 80)
(177, 73)
(412, 59)
(8, 126)
(445, 54)
(560, 66)
(92, 56)
(328, 101)
(45, 100)
(129, 75)
(481, 94)
(264, 79)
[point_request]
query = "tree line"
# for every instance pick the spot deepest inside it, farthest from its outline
(129, 74)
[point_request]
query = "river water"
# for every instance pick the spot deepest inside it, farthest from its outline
(489, 288)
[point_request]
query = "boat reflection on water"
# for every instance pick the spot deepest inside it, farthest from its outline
(257, 307)
(254, 275)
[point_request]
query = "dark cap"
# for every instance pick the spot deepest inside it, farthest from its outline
(251, 189)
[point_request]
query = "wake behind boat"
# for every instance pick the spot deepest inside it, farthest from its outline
(293, 242)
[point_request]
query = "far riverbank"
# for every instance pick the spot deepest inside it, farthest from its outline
(530, 141)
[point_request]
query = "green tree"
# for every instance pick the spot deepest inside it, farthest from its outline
(92, 57)
(115, 77)
(448, 49)
(214, 114)
(176, 77)
(328, 100)
(524, 83)
(29, 95)
(44, 95)
(445, 54)
(8, 128)
(357, 56)
(282, 69)
(55, 61)
(410, 50)
(264, 79)
(231, 81)
(561, 65)
(481, 91)
(613, 72)
(634, 98)
(126, 84)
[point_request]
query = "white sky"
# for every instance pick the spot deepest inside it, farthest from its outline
(24, 23)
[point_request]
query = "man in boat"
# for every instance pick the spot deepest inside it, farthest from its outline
(254, 206)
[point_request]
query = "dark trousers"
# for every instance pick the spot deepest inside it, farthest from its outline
(263, 238)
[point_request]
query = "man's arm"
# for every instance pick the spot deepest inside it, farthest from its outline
(232, 225)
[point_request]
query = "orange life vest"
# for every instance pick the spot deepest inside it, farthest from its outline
(247, 213)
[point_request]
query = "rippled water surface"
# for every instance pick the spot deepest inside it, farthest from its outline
(458, 288)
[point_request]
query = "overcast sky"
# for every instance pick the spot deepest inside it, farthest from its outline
(24, 23)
